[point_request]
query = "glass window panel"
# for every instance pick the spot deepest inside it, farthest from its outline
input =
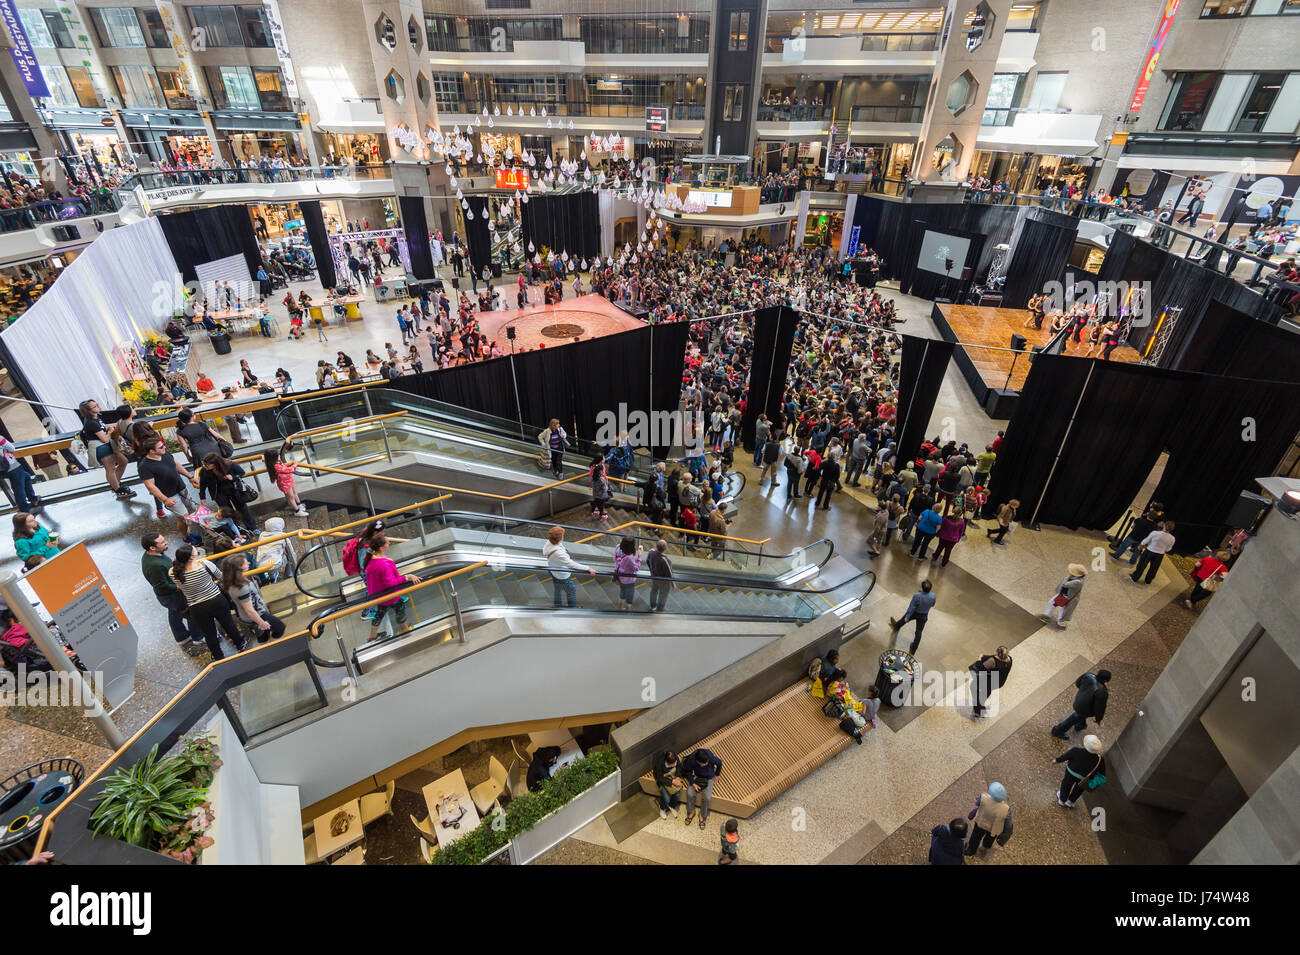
(1262, 96)
(117, 26)
(1227, 101)
(58, 29)
(218, 25)
(1188, 101)
(38, 33)
(1048, 88)
(137, 86)
(270, 90)
(155, 34)
(1285, 115)
(254, 22)
(83, 88)
(173, 89)
(60, 87)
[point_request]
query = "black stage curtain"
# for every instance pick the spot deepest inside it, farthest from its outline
(924, 363)
(1127, 414)
(1041, 251)
(416, 228)
(568, 223)
(314, 220)
(477, 236)
(641, 369)
(1230, 342)
(774, 330)
(204, 235)
(1232, 431)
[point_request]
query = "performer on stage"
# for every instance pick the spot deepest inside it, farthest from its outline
(1037, 309)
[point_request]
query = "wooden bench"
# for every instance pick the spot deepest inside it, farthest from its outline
(767, 750)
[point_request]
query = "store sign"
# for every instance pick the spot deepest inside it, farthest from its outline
(153, 196)
(24, 58)
(276, 26)
(512, 178)
(709, 198)
(89, 618)
(656, 119)
(1153, 54)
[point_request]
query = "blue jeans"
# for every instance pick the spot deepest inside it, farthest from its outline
(1072, 722)
(567, 588)
(1128, 543)
(20, 479)
(758, 453)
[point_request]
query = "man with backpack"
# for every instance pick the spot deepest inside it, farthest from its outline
(771, 455)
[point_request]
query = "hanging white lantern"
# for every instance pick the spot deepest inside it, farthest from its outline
(479, 159)
(572, 268)
(496, 110)
(524, 197)
(634, 260)
(464, 203)
(491, 226)
(564, 256)
(543, 110)
(595, 263)
(478, 121)
(532, 111)
(571, 124)
(510, 154)
(449, 169)
(584, 265)
(469, 215)
(626, 247)
(550, 255)
(548, 124)
(583, 155)
(530, 246)
(510, 111)
(490, 122)
(537, 260)
(455, 131)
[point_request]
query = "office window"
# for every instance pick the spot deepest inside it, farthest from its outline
(1023, 17)
(58, 29)
(1263, 94)
(738, 38)
(1224, 8)
(151, 25)
(1004, 94)
(233, 87)
(440, 32)
(1188, 101)
(137, 86)
(173, 89)
(218, 25)
(56, 80)
(270, 90)
(446, 92)
(253, 20)
(83, 88)
(526, 90)
(1284, 117)
(1048, 88)
(38, 33)
(117, 26)
(733, 104)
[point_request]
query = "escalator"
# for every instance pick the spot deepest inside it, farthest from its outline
(436, 543)
(453, 602)
(427, 426)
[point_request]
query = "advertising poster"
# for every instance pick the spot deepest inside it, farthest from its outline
(91, 620)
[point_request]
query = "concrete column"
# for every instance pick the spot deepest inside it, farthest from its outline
(405, 63)
(954, 61)
(734, 68)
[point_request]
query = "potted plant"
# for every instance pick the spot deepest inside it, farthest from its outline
(161, 804)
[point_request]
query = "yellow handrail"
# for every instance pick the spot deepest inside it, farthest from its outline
(350, 426)
(387, 597)
(443, 487)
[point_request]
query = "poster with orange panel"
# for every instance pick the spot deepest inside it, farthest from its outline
(91, 620)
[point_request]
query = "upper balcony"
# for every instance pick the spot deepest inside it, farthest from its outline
(851, 53)
(198, 187)
(44, 228)
(551, 56)
(587, 117)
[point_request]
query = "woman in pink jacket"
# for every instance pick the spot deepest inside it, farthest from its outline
(950, 532)
(627, 563)
(382, 575)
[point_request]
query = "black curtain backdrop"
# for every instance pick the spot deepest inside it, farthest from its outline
(203, 235)
(477, 236)
(314, 220)
(568, 223)
(1228, 341)
(924, 363)
(1176, 282)
(1127, 414)
(1039, 255)
(774, 330)
(574, 382)
(416, 228)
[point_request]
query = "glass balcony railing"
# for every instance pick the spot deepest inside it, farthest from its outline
(888, 114)
(223, 177)
(557, 108)
(791, 113)
(21, 218)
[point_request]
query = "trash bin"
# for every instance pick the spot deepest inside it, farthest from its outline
(895, 676)
(220, 343)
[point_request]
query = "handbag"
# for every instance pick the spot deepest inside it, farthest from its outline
(1060, 600)
(833, 708)
(1211, 583)
(224, 447)
(243, 493)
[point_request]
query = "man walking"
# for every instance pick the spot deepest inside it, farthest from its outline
(919, 610)
(162, 478)
(858, 455)
(762, 432)
(1152, 552)
(661, 575)
(1142, 526)
(155, 565)
(1090, 700)
(830, 475)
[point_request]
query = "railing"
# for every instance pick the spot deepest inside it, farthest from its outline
(635, 110)
(900, 42)
(225, 177)
(22, 218)
(888, 114)
(788, 113)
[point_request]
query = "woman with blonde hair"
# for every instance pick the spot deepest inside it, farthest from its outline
(554, 442)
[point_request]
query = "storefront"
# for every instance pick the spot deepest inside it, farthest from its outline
(194, 150)
(250, 147)
(22, 285)
(104, 149)
(360, 149)
(1030, 172)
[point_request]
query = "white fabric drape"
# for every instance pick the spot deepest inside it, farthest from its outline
(850, 207)
(123, 284)
(801, 224)
(605, 200)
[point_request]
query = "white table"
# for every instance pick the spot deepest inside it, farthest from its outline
(328, 844)
(563, 738)
(451, 784)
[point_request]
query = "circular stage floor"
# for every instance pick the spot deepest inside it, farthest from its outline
(585, 318)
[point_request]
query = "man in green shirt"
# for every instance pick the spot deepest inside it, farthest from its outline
(984, 465)
(156, 567)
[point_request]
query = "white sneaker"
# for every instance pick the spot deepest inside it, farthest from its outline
(663, 813)
(301, 512)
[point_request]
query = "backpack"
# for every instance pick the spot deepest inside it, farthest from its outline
(833, 708)
(815, 669)
(351, 557)
(849, 726)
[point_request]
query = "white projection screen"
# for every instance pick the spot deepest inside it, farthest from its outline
(937, 247)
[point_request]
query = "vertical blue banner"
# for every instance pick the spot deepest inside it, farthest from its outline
(24, 58)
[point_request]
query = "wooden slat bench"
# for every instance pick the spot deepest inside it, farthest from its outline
(767, 750)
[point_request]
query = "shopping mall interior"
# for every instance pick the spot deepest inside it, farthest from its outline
(668, 432)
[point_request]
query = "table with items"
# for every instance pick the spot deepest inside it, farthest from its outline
(451, 810)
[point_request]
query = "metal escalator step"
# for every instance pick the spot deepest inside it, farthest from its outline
(512, 592)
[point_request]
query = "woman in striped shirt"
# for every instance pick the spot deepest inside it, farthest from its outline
(208, 606)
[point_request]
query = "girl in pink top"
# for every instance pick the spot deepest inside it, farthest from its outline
(381, 575)
(283, 471)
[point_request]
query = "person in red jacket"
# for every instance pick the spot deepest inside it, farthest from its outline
(1214, 567)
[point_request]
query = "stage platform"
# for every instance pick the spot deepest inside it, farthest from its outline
(591, 316)
(994, 373)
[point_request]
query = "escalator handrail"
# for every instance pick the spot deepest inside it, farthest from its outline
(349, 606)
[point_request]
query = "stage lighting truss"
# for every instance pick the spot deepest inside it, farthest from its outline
(1164, 330)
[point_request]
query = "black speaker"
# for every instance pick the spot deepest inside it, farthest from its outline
(1017, 342)
(1000, 402)
(966, 274)
(989, 299)
(1245, 510)
(66, 233)
(510, 333)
